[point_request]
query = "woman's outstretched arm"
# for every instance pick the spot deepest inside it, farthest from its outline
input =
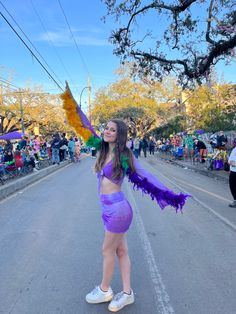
(150, 184)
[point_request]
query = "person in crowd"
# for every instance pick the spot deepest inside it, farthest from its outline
(151, 146)
(201, 148)
(49, 149)
(18, 159)
(55, 145)
(8, 146)
(36, 147)
(77, 149)
(130, 143)
(222, 141)
(144, 146)
(23, 142)
(29, 159)
(136, 147)
(115, 160)
(8, 157)
(188, 145)
(172, 141)
(232, 174)
(71, 149)
(15, 145)
(63, 147)
(213, 140)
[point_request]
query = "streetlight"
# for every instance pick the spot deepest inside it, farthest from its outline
(89, 88)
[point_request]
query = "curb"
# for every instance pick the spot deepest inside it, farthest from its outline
(207, 173)
(18, 184)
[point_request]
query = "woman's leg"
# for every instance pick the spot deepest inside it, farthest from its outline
(124, 262)
(110, 245)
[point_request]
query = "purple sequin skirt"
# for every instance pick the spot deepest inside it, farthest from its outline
(117, 213)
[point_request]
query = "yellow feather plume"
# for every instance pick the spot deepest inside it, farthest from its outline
(70, 105)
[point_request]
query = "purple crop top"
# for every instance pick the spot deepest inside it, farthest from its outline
(149, 184)
(107, 172)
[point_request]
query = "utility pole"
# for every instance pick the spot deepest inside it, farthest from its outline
(89, 104)
(21, 113)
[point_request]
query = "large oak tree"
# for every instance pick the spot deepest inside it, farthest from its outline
(182, 37)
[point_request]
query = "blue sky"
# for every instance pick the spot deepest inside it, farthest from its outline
(94, 57)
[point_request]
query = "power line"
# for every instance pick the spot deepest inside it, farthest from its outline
(30, 50)
(49, 38)
(8, 83)
(72, 35)
(30, 41)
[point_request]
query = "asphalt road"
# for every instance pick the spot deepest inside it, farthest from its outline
(51, 235)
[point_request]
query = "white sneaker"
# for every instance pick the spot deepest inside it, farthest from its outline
(99, 296)
(121, 300)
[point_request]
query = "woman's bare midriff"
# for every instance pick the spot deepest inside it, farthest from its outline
(108, 187)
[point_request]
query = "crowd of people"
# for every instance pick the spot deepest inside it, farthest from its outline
(214, 147)
(28, 151)
(138, 145)
(186, 145)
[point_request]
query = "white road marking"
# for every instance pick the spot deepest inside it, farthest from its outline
(211, 210)
(202, 190)
(162, 300)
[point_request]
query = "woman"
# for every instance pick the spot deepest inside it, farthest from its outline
(232, 174)
(77, 149)
(71, 149)
(114, 161)
(55, 145)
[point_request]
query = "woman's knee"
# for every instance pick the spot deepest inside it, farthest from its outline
(121, 251)
(108, 251)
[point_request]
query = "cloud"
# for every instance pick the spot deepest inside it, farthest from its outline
(64, 38)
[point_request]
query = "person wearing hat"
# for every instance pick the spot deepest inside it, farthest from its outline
(232, 174)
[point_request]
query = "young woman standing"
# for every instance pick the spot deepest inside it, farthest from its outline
(116, 160)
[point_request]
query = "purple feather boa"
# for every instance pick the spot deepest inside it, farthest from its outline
(163, 197)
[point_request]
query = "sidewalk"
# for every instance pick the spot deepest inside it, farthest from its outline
(198, 167)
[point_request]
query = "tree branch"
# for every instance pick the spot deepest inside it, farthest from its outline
(204, 63)
(197, 50)
(219, 49)
(150, 57)
(175, 9)
(208, 39)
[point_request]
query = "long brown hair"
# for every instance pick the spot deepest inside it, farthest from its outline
(120, 150)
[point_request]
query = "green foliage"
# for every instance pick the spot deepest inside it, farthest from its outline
(212, 109)
(176, 125)
(142, 106)
(38, 109)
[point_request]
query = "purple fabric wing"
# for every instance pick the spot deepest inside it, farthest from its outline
(149, 184)
(85, 121)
